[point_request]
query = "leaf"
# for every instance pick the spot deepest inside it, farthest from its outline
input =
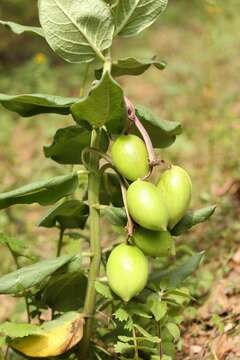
(13, 330)
(29, 276)
(45, 192)
(68, 144)
(121, 314)
(116, 216)
(157, 307)
(174, 277)
(110, 191)
(52, 338)
(34, 104)
(193, 218)
(17, 246)
(174, 330)
(132, 66)
(69, 215)
(103, 290)
(20, 29)
(103, 106)
(146, 334)
(133, 16)
(163, 133)
(78, 31)
(65, 292)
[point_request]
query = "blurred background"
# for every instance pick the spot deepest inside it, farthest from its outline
(199, 88)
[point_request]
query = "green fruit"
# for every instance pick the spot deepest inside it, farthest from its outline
(176, 187)
(130, 157)
(146, 206)
(154, 243)
(127, 271)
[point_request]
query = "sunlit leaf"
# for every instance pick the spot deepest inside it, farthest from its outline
(20, 29)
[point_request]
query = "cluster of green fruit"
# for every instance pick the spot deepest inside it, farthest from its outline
(155, 209)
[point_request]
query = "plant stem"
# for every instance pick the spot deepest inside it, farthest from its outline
(158, 326)
(15, 258)
(93, 200)
(60, 242)
(136, 357)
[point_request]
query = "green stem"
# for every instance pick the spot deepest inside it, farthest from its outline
(93, 200)
(136, 356)
(15, 258)
(60, 242)
(158, 326)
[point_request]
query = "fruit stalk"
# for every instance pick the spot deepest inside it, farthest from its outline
(133, 117)
(93, 200)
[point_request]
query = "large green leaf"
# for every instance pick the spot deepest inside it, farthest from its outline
(175, 276)
(115, 215)
(20, 29)
(193, 218)
(163, 133)
(69, 215)
(45, 192)
(77, 30)
(132, 66)
(34, 104)
(133, 16)
(69, 142)
(103, 106)
(65, 292)
(29, 276)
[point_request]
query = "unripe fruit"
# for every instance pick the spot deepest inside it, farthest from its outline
(146, 206)
(176, 187)
(127, 271)
(154, 243)
(130, 157)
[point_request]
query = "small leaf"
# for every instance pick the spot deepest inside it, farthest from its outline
(121, 347)
(193, 218)
(78, 31)
(174, 330)
(116, 216)
(157, 307)
(65, 292)
(29, 276)
(103, 290)
(19, 330)
(69, 215)
(133, 16)
(45, 192)
(103, 106)
(121, 314)
(174, 277)
(110, 191)
(132, 66)
(17, 246)
(163, 133)
(34, 104)
(20, 29)
(54, 338)
(68, 144)
(146, 334)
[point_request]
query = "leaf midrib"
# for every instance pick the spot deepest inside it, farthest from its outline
(96, 50)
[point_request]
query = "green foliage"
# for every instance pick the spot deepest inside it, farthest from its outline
(45, 192)
(65, 292)
(20, 29)
(193, 218)
(68, 215)
(19, 330)
(34, 104)
(15, 245)
(77, 32)
(103, 106)
(32, 275)
(131, 17)
(163, 133)
(133, 66)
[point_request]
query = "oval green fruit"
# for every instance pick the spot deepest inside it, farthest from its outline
(127, 271)
(146, 206)
(130, 157)
(154, 243)
(176, 187)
